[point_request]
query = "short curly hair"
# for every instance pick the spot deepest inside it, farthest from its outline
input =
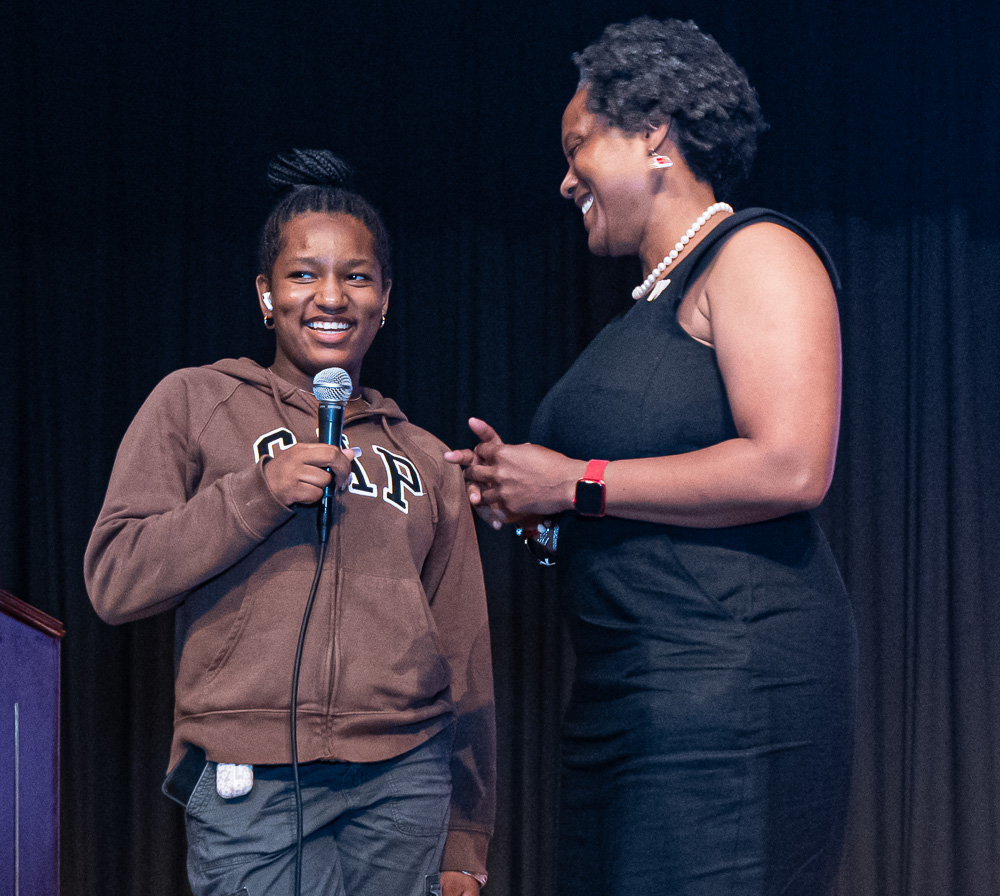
(647, 69)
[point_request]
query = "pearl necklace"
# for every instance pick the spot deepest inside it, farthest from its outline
(669, 258)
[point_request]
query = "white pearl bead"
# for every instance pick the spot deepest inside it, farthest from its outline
(646, 284)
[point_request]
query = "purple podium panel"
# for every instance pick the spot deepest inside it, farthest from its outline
(29, 749)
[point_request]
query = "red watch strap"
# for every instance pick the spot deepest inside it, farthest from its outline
(595, 471)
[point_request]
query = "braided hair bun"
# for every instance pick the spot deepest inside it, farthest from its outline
(315, 180)
(309, 168)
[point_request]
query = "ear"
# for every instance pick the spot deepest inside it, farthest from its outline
(385, 296)
(264, 287)
(656, 133)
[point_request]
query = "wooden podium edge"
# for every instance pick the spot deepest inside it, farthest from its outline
(29, 615)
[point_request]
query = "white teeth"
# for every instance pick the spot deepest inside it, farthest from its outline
(326, 325)
(587, 203)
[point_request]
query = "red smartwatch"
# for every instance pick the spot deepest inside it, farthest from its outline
(589, 499)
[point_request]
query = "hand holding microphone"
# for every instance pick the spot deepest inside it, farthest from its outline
(312, 471)
(332, 388)
(300, 474)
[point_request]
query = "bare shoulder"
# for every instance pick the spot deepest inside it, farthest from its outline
(768, 253)
(763, 272)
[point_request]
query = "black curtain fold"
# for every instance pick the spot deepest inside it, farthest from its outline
(919, 552)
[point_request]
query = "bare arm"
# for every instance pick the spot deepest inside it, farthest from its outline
(769, 311)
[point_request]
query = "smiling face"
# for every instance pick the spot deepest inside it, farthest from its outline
(327, 294)
(608, 178)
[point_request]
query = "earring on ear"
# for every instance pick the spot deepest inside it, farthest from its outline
(383, 322)
(268, 322)
(657, 161)
(266, 299)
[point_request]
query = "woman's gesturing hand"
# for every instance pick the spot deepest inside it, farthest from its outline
(299, 474)
(469, 458)
(515, 483)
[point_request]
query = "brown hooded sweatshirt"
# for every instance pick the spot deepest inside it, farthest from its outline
(398, 643)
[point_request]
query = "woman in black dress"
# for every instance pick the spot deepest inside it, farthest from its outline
(707, 746)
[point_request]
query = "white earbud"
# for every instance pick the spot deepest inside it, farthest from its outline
(266, 299)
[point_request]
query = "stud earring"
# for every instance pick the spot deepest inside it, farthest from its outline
(269, 322)
(657, 161)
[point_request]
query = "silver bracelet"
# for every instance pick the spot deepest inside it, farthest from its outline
(478, 878)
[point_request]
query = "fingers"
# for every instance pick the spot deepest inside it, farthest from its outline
(490, 494)
(342, 472)
(454, 883)
(479, 473)
(492, 515)
(486, 434)
(464, 457)
(489, 444)
(298, 475)
(488, 511)
(483, 430)
(341, 469)
(328, 460)
(478, 464)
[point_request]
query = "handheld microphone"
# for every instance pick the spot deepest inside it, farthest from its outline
(332, 388)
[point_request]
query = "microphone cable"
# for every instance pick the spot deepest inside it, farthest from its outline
(332, 387)
(293, 716)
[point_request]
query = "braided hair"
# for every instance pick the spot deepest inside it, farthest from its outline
(315, 180)
(647, 69)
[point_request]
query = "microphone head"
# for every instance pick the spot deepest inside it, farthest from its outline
(332, 385)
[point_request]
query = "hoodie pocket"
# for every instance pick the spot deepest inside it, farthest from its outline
(239, 647)
(389, 658)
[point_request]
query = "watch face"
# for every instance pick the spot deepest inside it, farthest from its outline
(589, 498)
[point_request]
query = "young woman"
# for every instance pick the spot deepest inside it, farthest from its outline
(210, 513)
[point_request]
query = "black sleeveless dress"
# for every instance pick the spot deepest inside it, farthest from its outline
(707, 745)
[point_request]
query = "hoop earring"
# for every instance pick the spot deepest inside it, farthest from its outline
(269, 323)
(383, 322)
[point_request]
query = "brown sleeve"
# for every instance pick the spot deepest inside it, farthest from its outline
(156, 538)
(453, 580)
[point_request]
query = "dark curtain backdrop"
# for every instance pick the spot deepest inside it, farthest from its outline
(134, 143)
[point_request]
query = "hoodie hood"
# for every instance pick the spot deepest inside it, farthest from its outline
(250, 372)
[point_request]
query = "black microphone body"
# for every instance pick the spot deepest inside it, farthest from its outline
(331, 425)
(332, 388)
